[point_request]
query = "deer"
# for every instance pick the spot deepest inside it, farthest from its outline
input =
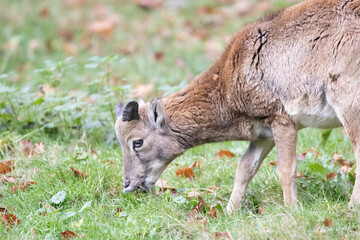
(297, 68)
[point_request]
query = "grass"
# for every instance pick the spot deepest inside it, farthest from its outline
(59, 83)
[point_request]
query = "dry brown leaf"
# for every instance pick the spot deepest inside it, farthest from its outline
(34, 45)
(222, 235)
(27, 146)
(66, 33)
(6, 167)
(104, 28)
(161, 183)
(213, 189)
(193, 165)
(33, 233)
(164, 186)
(44, 12)
(70, 49)
(159, 56)
(300, 175)
(337, 157)
(193, 193)
(302, 156)
(331, 175)
(44, 90)
(148, 3)
(260, 210)
(346, 168)
(68, 235)
(314, 151)
(32, 150)
(185, 172)
(3, 209)
(225, 153)
(22, 186)
(328, 223)
(79, 173)
(213, 212)
(273, 163)
(10, 219)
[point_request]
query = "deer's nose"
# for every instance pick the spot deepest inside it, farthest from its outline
(126, 183)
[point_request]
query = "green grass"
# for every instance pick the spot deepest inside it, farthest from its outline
(78, 117)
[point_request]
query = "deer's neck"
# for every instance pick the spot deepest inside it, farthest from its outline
(200, 114)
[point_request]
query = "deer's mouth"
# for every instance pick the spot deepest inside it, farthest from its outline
(141, 186)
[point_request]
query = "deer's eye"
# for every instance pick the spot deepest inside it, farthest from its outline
(137, 143)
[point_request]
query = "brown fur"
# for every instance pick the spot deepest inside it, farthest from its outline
(298, 68)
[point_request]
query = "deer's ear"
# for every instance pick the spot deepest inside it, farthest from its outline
(119, 109)
(131, 111)
(156, 114)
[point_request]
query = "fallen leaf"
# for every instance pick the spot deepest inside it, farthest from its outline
(48, 206)
(314, 151)
(337, 157)
(65, 33)
(328, 223)
(159, 56)
(70, 49)
(27, 147)
(164, 186)
(148, 3)
(22, 186)
(3, 209)
(34, 45)
(302, 156)
(346, 168)
(200, 204)
(185, 172)
(213, 189)
(33, 233)
(273, 163)
(32, 150)
(331, 175)
(44, 12)
(44, 90)
(162, 183)
(9, 179)
(6, 167)
(68, 235)
(199, 164)
(193, 193)
(300, 175)
(10, 219)
(193, 165)
(260, 210)
(213, 212)
(104, 28)
(225, 153)
(79, 173)
(222, 235)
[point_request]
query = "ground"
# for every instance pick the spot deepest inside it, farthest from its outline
(64, 66)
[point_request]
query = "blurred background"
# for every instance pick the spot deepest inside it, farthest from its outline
(65, 64)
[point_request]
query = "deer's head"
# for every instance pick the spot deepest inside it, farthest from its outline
(147, 143)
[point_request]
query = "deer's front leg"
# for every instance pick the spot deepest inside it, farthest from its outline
(285, 136)
(248, 166)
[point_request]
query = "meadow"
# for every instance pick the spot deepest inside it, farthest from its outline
(63, 67)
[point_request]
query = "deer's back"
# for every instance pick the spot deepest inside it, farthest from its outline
(294, 55)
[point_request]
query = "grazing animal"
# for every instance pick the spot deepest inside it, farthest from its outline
(298, 68)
